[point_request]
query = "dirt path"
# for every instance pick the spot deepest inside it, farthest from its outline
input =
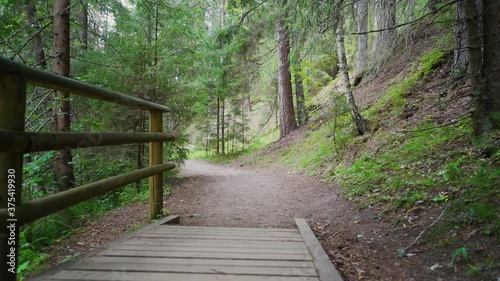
(361, 243)
(215, 195)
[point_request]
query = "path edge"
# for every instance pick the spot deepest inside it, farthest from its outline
(324, 267)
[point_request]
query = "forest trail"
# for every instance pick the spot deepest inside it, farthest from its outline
(217, 195)
(360, 242)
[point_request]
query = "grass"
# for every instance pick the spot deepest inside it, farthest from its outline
(409, 170)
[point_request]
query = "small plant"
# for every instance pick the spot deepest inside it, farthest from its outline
(460, 252)
(452, 171)
(440, 198)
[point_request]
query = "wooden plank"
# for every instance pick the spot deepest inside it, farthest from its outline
(97, 250)
(194, 261)
(242, 256)
(154, 276)
(173, 219)
(208, 269)
(25, 142)
(218, 237)
(215, 243)
(219, 232)
(57, 82)
(183, 227)
(324, 266)
(209, 250)
(227, 228)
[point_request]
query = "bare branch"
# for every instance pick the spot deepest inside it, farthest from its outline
(407, 23)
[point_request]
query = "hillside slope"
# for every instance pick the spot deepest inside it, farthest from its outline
(418, 170)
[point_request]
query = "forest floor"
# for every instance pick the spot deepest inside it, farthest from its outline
(361, 243)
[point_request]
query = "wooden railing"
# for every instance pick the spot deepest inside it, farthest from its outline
(14, 142)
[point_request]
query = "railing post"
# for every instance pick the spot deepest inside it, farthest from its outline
(12, 110)
(155, 158)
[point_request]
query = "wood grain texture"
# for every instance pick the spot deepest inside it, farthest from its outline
(156, 276)
(178, 253)
(326, 270)
(194, 261)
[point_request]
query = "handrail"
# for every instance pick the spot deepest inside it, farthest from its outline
(44, 206)
(11, 141)
(53, 81)
(14, 141)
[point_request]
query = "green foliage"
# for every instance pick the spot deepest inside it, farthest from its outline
(30, 258)
(38, 177)
(460, 252)
(393, 101)
(399, 173)
(431, 60)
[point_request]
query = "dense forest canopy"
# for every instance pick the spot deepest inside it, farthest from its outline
(235, 72)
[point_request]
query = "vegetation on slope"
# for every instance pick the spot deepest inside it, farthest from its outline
(425, 160)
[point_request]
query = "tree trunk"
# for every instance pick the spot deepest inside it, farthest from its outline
(480, 118)
(63, 167)
(140, 149)
(362, 7)
(410, 12)
(460, 54)
(385, 18)
(84, 22)
(36, 43)
(218, 125)
(299, 96)
(491, 60)
(358, 120)
(243, 122)
(285, 99)
(223, 125)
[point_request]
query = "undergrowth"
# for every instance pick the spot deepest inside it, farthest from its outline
(401, 168)
(256, 145)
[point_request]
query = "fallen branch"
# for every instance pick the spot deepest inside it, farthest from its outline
(402, 252)
(461, 117)
(406, 23)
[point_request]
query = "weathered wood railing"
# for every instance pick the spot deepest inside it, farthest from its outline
(14, 141)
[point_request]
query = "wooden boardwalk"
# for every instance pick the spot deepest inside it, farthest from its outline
(184, 253)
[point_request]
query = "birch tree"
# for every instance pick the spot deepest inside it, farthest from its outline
(358, 120)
